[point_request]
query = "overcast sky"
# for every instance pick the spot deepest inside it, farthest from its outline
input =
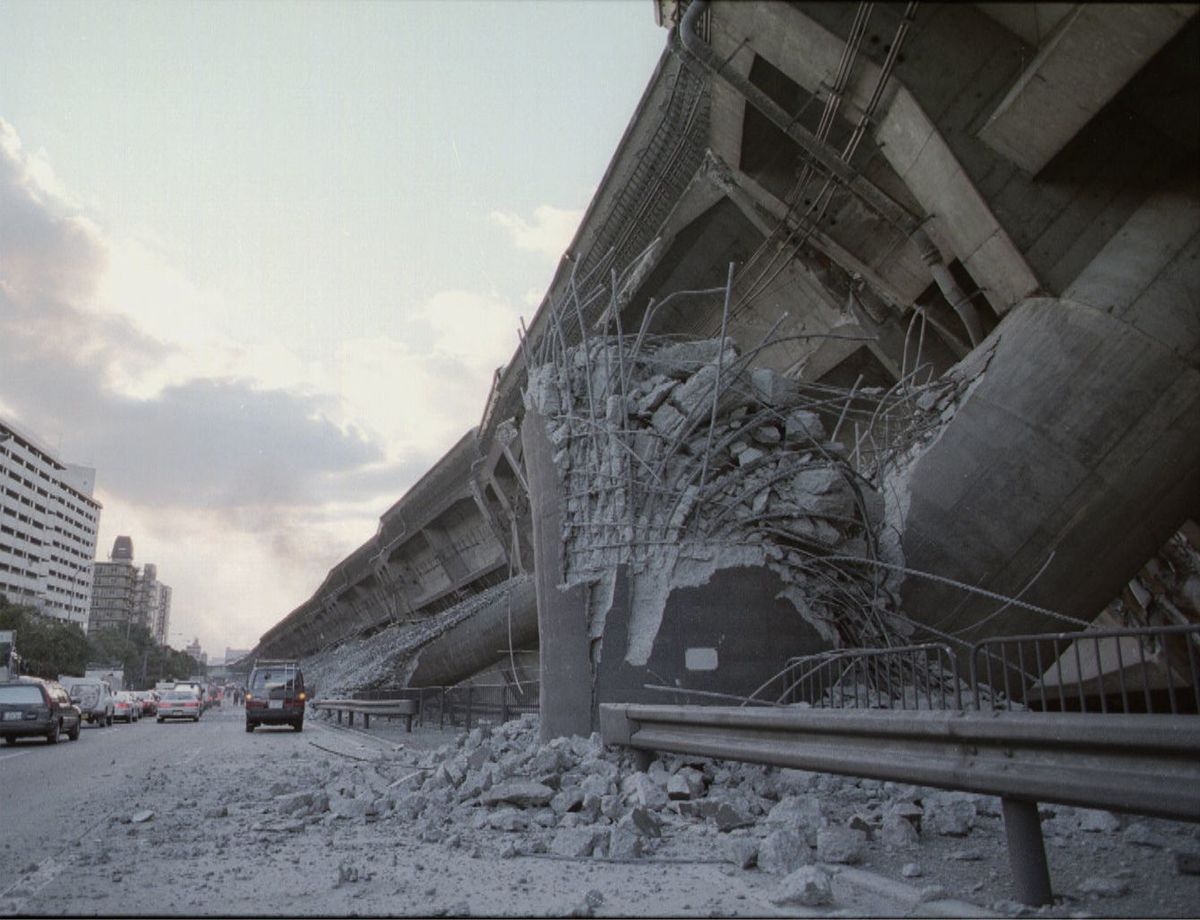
(258, 261)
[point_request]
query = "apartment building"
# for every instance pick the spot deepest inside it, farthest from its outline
(127, 596)
(48, 526)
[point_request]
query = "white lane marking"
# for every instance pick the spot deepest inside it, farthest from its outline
(17, 754)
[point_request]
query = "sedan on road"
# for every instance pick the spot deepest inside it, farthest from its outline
(30, 707)
(126, 708)
(179, 704)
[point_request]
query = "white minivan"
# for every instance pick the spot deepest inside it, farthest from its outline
(94, 697)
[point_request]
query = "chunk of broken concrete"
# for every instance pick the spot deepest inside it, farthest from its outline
(640, 789)
(575, 842)
(841, 845)
(782, 852)
(807, 886)
(949, 813)
(896, 831)
(742, 851)
(523, 793)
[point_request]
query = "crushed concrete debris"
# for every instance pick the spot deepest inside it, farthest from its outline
(678, 459)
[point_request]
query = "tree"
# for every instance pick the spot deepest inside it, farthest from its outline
(47, 645)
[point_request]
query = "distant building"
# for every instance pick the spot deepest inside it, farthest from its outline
(115, 594)
(162, 617)
(48, 526)
(125, 596)
(195, 652)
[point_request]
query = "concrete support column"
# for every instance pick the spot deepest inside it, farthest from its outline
(1079, 447)
(1078, 451)
(566, 690)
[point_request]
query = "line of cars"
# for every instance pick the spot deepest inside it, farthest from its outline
(31, 707)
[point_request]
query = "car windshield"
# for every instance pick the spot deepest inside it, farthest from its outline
(80, 691)
(270, 678)
(179, 695)
(25, 694)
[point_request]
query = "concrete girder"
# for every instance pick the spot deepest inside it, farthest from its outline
(961, 223)
(1091, 53)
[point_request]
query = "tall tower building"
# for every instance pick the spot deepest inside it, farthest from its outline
(48, 526)
(162, 616)
(115, 593)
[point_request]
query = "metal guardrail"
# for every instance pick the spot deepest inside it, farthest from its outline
(368, 708)
(904, 714)
(462, 707)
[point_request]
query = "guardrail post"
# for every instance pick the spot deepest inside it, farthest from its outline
(1026, 851)
(339, 712)
(442, 710)
(366, 720)
(470, 690)
(350, 713)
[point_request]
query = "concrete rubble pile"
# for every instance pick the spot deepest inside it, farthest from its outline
(679, 459)
(497, 792)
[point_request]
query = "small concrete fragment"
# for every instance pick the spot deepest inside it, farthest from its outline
(624, 843)
(574, 842)
(897, 831)
(782, 852)
(645, 822)
(141, 817)
(1104, 887)
(742, 852)
(522, 793)
(640, 789)
(807, 886)
(841, 845)
(951, 814)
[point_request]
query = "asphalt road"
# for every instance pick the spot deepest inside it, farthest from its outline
(57, 800)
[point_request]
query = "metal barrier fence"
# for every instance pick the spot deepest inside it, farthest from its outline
(1128, 670)
(1148, 669)
(903, 677)
(463, 706)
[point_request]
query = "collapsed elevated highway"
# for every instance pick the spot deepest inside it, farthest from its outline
(963, 239)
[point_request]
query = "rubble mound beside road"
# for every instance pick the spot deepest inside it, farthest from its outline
(496, 792)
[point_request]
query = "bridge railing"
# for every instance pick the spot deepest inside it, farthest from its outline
(463, 706)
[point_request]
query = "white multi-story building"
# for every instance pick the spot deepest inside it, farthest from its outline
(48, 526)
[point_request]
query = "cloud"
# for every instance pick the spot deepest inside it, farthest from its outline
(244, 472)
(549, 232)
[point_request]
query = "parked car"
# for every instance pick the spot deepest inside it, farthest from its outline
(179, 704)
(94, 697)
(126, 707)
(31, 707)
(149, 700)
(275, 695)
